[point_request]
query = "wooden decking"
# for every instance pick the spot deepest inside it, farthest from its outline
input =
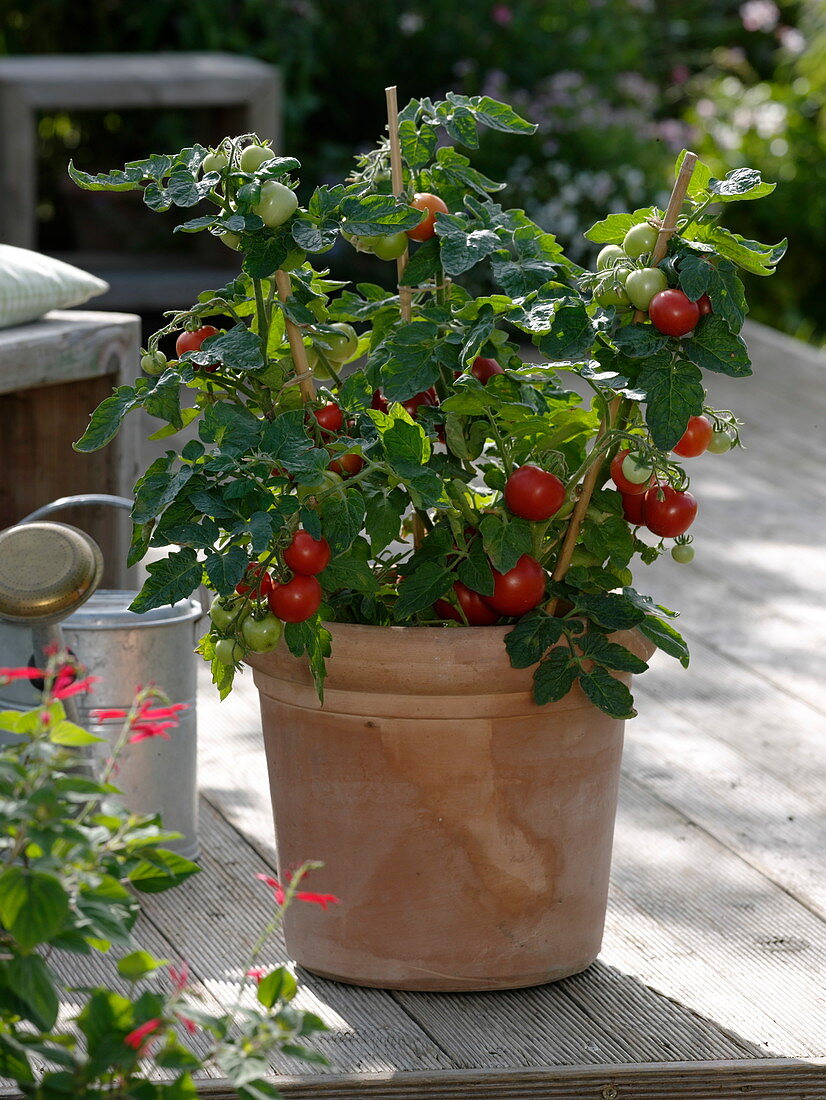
(711, 979)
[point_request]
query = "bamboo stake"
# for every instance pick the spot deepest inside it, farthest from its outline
(405, 292)
(297, 349)
(667, 228)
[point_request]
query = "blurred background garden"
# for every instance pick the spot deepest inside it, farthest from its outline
(617, 88)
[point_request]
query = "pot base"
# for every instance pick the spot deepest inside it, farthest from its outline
(451, 984)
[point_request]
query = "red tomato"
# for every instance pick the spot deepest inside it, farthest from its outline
(625, 486)
(704, 305)
(414, 403)
(330, 417)
(433, 205)
(673, 312)
(633, 508)
(695, 439)
(306, 555)
(476, 610)
(257, 580)
(296, 600)
(379, 402)
(484, 369)
(191, 341)
(519, 590)
(533, 493)
(671, 516)
(347, 464)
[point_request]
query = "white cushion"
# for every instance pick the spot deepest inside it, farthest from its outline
(31, 285)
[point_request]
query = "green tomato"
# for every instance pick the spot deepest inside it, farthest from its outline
(721, 441)
(643, 284)
(262, 635)
(388, 247)
(639, 239)
(277, 204)
(343, 342)
(609, 256)
(221, 613)
(608, 295)
(153, 362)
(330, 486)
(231, 240)
(683, 553)
(635, 470)
(254, 156)
(214, 162)
(317, 364)
(228, 651)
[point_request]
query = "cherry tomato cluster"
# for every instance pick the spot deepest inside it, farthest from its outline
(515, 592)
(191, 340)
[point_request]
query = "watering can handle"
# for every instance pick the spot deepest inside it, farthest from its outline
(71, 502)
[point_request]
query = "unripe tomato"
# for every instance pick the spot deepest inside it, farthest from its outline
(306, 555)
(297, 600)
(431, 205)
(683, 553)
(329, 486)
(153, 362)
(231, 240)
(262, 635)
(639, 239)
(624, 483)
(671, 516)
(277, 204)
(533, 493)
(343, 343)
(673, 313)
(214, 162)
(642, 285)
(608, 295)
(721, 441)
(221, 615)
(330, 417)
(484, 369)
(519, 590)
(388, 247)
(608, 256)
(254, 156)
(191, 341)
(695, 439)
(228, 651)
(476, 610)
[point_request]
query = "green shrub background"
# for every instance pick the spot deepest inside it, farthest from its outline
(616, 87)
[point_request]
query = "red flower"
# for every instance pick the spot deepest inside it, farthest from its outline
(149, 712)
(105, 715)
(135, 1038)
(145, 730)
(302, 895)
(257, 972)
(190, 1025)
(179, 976)
(65, 687)
(7, 674)
(275, 886)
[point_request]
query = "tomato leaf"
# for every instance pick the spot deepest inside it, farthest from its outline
(666, 638)
(171, 579)
(374, 215)
(752, 256)
(312, 638)
(612, 230)
(474, 571)
(493, 114)
(742, 183)
(610, 610)
(238, 348)
(607, 693)
(531, 637)
(384, 511)
(421, 589)
(572, 335)
(106, 419)
(554, 676)
(715, 348)
(342, 520)
(424, 263)
(418, 143)
(639, 341)
(597, 648)
(231, 428)
(225, 569)
(699, 177)
(674, 392)
(462, 247)
(505, 540)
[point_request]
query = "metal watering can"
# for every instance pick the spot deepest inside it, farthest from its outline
(49, 573)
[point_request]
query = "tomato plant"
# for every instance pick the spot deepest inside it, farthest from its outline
(673, 312)
(262, 635)
(696, 438)
(533, 493)
(307, 555)
(430, 206)
(362, 444)
(669, 512)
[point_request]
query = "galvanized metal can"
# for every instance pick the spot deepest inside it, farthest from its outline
(127, 650)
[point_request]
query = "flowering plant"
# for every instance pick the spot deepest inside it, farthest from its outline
(430, 469)
(72, 858)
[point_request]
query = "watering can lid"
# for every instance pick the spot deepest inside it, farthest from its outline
(47, 570)
(108, 609)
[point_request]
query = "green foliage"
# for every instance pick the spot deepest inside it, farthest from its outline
(389, 444)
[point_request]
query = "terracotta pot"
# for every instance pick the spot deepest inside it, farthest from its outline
(466, 830)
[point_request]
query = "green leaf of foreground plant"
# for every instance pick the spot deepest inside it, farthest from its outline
(673, 394)
(171, 579)
(67, 733)
(421, 589)
(418, 143)
(342, 519)
(313, 638)
(572, 335)
(137, 964)
(597, 648)
(278, 985)
(375, 215)
(698, 276)
(666, 638)
(106, 419)
(384, 511)
(474, 571)
(742, 183)
(493, 114)
(32, 983)
(33, 905)
(535, 633)
(14, 1060)
(639, 341)
(715, 348)
(226, 569)
(752, 256)
(611, 610)
(612, 230)
(461, 246)
(161, 870)
(554, 676)
(607, 693)
(505, 540)
(230, 427)
(238, 348)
